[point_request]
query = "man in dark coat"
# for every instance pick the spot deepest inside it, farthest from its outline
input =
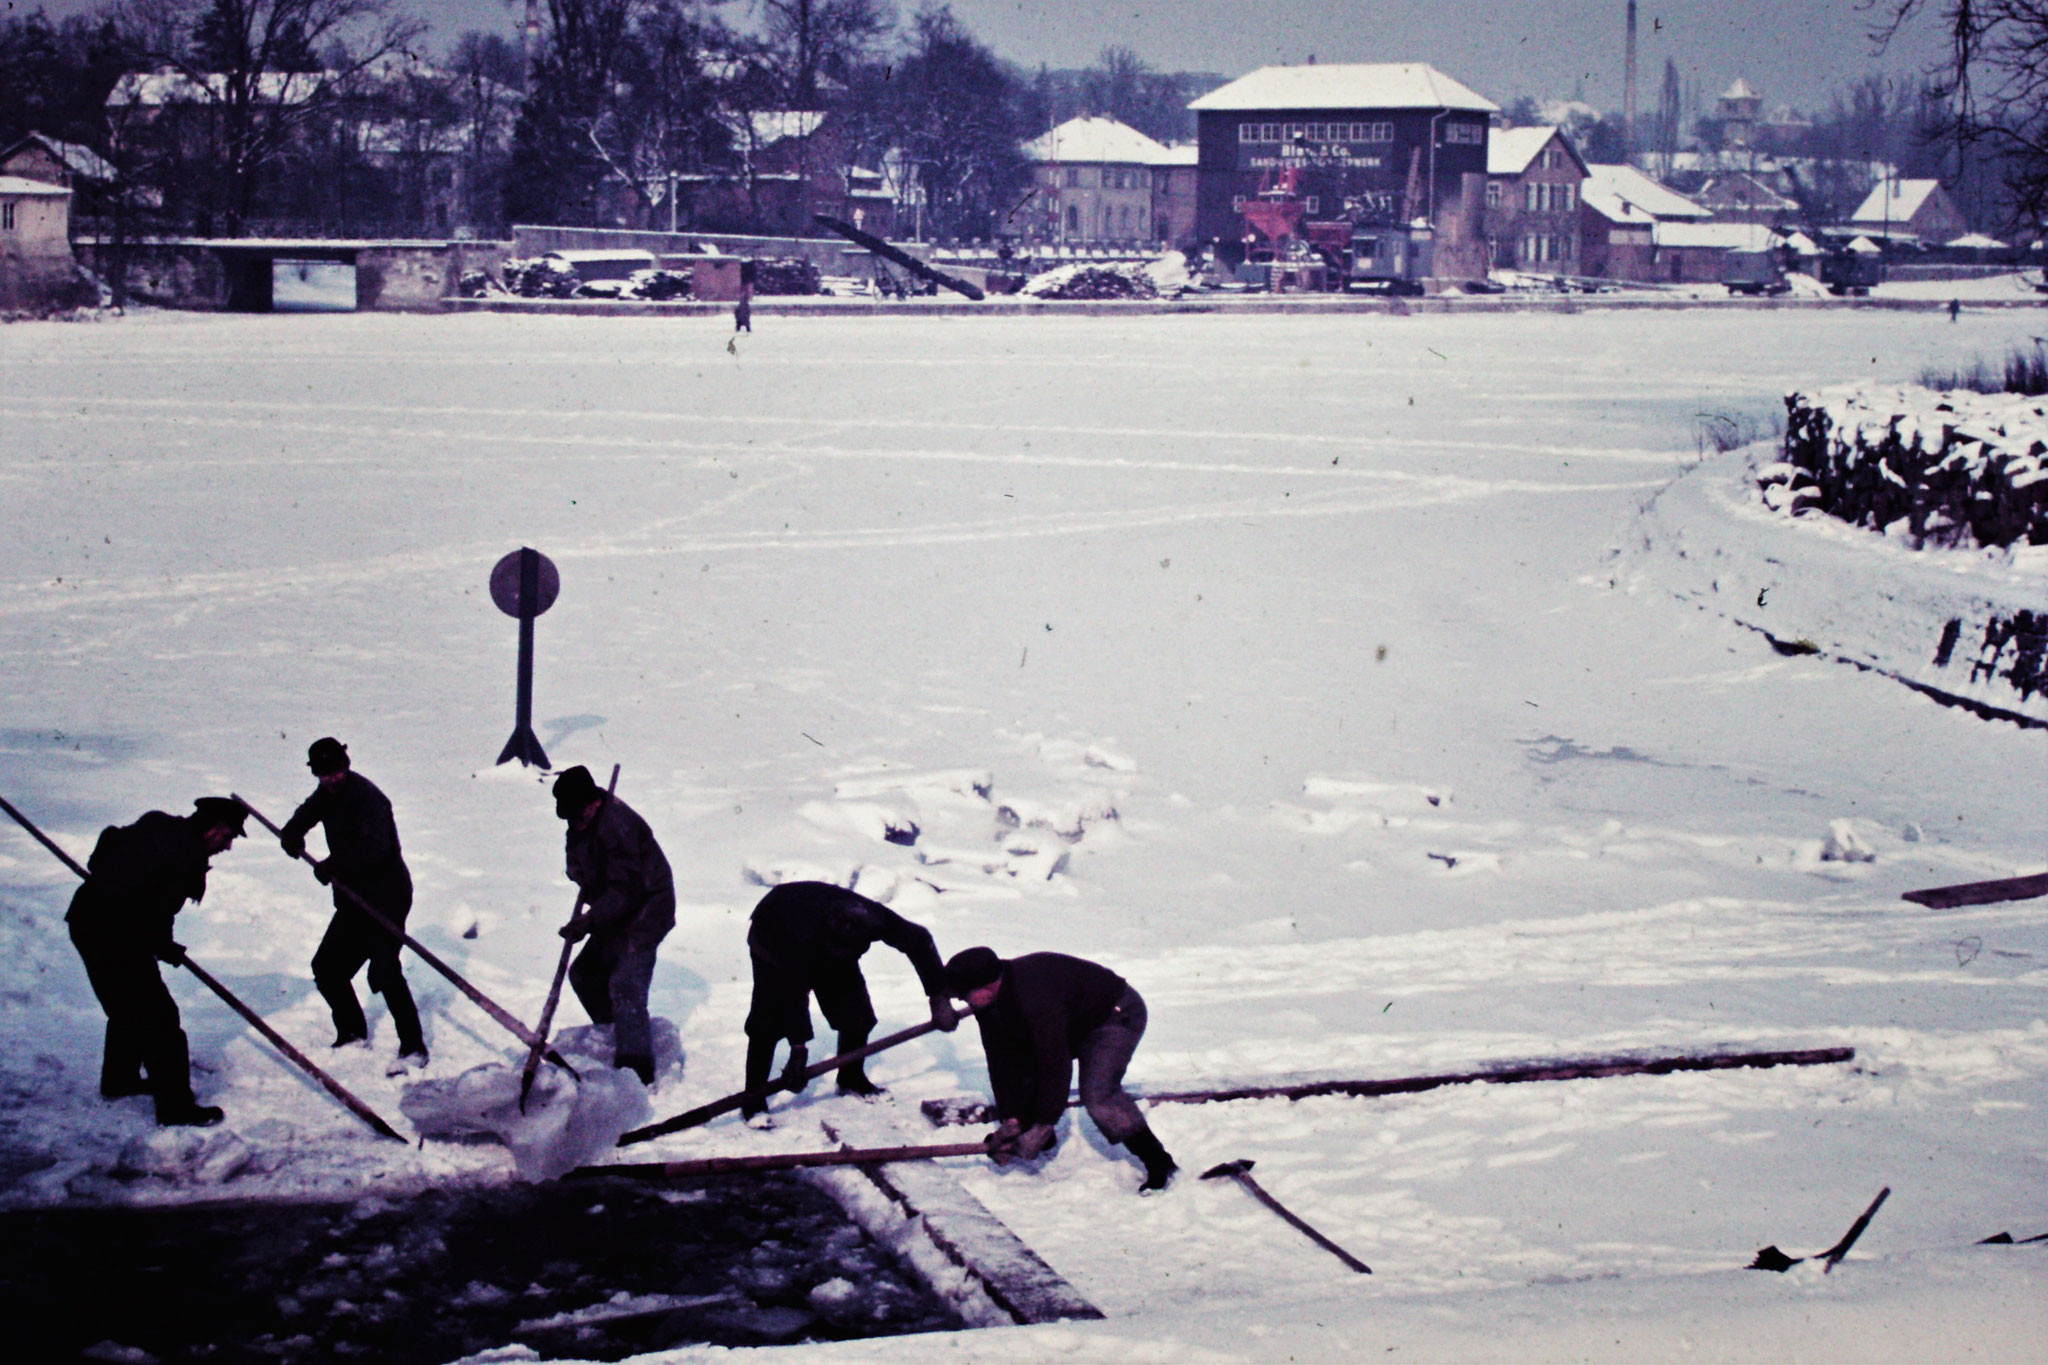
(806, 939)
(362, 857)
(137, 880)
(1039, 1014)
(628, 906)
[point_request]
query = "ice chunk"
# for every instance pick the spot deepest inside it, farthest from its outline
(567, 1122)
(1843, 845)
(187, 1155)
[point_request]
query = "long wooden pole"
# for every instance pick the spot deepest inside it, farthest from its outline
(943, 1113)
(780, 1161)
(704, 1113)
(277, 1040)
(547, 1013)
(427, 955)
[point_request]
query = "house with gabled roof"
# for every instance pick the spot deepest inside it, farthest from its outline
(1917, 209)
(1743, 197)
(1621, 208)
(1533, 180)
(1378, 143)
(1094, 182)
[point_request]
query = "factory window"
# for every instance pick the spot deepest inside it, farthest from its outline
(7, 217)
(1379, 132)
(1313, 204)
(1471, 134)
(1073, 220)
(1530, 197)
(1570, 195)
(1493, 194)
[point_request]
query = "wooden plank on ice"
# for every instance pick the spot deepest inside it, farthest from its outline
(967, 1110)
(961, 1229)
(1981, 893)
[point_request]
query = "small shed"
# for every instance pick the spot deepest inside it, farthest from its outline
(37, 269)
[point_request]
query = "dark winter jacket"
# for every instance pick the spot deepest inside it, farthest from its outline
(620, 869)
(362, 840)
(1048, 1004)
(802, 927)
(139, 877)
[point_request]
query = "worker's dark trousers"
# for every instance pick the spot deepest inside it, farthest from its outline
(144, 1034)
(1105, 1052)
(613, 974)
(352, 939)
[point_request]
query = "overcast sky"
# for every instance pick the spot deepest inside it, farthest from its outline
(1795, 52)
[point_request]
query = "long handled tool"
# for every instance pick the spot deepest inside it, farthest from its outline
(1240, 1170)
(426, 954)
(704, 1113)
(1770, 1258)
(780, 1161)
(206, 978)
(547, 1013)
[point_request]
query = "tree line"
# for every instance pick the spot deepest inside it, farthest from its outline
(334, 117)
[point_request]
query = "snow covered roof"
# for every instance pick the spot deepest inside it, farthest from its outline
(81, 160)
(1510, 150)
(1095, 139)
(1739, 91)
(22, 185)
(1637, 190)
(1721, 236)
(1802, 244)
(766, 127)
(156, 88)
(1181, 154)
(1977, 241)
(1742, 188)
(1369, 85)
(1907, 197)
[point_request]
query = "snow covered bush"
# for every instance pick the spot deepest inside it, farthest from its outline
(1130, 281)
(785, 275)
(1952, 468)
(538, 277)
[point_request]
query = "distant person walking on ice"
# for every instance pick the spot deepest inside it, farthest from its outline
(629, 905)
(807, 939)
(137, 880)
(1039, 1014)
(362, 856)
(743, 311)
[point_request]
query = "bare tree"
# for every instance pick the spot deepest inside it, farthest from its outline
(263, 70)
(1992, 83)
(822, 38)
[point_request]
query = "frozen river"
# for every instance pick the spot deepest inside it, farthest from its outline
(1292, 646)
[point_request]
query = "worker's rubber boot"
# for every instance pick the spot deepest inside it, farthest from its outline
(853, 1077)
(640, 1066)
(1159, 1166)
(760, 1056)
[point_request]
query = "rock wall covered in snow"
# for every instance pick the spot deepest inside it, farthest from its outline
(1966, 626)
(1957, 469)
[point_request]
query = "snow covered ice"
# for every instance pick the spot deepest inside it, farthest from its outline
(1297, 652)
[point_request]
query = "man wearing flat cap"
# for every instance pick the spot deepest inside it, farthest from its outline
(1039, 1014)
(363, 857)
(628, 906)
(137, 880)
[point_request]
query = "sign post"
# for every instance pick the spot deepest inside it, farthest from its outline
(524, 584)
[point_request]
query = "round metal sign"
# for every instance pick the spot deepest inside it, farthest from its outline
(506, 579)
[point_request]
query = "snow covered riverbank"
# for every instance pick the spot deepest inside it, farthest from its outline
(1275, 662)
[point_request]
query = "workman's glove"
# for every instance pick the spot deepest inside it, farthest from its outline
(944, 1015)
(294, 845)
(577, 928)
(171, 953)
(1036, 1141)
(323, 871)
(793, 1075)
(1001, 1143)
